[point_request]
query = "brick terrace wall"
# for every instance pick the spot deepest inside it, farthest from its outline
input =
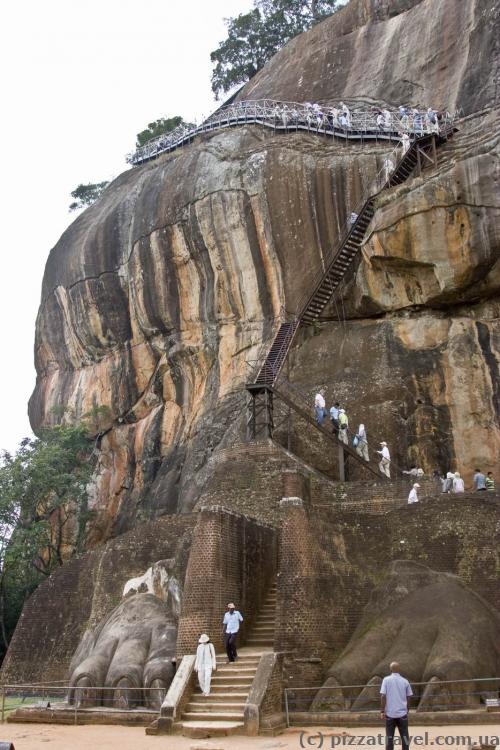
(233, 558)
(83, 591)
(331, 558)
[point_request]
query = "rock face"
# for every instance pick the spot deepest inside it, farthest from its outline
(158, 298)
(392, 51)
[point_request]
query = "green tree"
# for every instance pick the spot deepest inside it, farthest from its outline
(87, 194)
(160, 127)
(43, 512)
(254, 37)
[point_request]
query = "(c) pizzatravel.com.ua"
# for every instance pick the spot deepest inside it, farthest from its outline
(320, 740)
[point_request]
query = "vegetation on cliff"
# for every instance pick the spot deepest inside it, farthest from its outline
(254, 37)
(43, 513)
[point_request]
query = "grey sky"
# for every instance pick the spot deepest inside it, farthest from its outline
(79, 80)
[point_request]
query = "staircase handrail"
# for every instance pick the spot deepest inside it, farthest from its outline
(299, 115)
(380, 182)
(284, 384)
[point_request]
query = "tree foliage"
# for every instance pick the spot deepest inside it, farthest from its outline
(43, 504)
(160, 127)
(85, 195)
(254, 37)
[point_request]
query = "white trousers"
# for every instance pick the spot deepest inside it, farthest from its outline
(362, 450)
(204, 678)
(384, 467)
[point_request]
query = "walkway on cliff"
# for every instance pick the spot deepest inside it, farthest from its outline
(328, 120)
(268, 383)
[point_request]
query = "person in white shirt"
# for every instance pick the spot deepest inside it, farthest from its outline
(413, 497)
(394, 693)
(205, 662)
(458, 483)
(320, 406)
(385, 461)
(231, 625)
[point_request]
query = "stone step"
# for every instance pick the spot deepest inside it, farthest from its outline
(236, 682)
(215, 716)
(261, 642)
(206, 705)
(228, 688)
(235, 669)
(240, 697)
(201, 729)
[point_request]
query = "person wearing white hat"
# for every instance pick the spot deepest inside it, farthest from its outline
(385, 461)
(205, 662)
(413, 497)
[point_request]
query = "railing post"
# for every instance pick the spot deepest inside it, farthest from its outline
(3, 703)
(341, 464)
(286, 709)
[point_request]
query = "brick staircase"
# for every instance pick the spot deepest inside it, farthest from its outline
(222, 712)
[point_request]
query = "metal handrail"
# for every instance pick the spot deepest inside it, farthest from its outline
(325, 119)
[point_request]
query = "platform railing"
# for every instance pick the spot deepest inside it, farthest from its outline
(331, 701)
(326, 119)
(72, 700)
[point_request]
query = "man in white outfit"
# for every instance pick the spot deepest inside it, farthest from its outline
(413, 497)
(394, 693)
(205, 663)
(385, 461)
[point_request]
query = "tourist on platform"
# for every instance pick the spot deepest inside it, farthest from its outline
(403, 116)
(387, 119)
(343, 121)
(231, 625)
(335, 116)
(380, 121)
(319, 406)
(205, 663)
(394, 693)
(346, 112)
(417, 121)
(388, 168)
(385, 461)
(413, 496)
(343, 426)
(458, 483)
(479, 481)
(448, 482)
(362, 444)
(334, 416)
(490, 482)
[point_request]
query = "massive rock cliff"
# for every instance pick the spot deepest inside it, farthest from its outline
(158, 298)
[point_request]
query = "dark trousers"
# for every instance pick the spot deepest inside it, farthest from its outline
(230, 643)
(390, 728)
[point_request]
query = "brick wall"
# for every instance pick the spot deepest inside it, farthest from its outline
(332, 556)
(233, 558)
(83, 591)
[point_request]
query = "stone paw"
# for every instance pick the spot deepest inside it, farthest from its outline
(126, 662)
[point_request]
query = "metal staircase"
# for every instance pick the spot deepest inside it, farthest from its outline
(345, 258)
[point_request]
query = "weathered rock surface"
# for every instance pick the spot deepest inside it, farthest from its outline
(439, 629)
(436, 52)
(158, 297)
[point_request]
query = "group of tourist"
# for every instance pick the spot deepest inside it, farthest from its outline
(206, 662)
(453, 482)
(340, 427)
(313, 116)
